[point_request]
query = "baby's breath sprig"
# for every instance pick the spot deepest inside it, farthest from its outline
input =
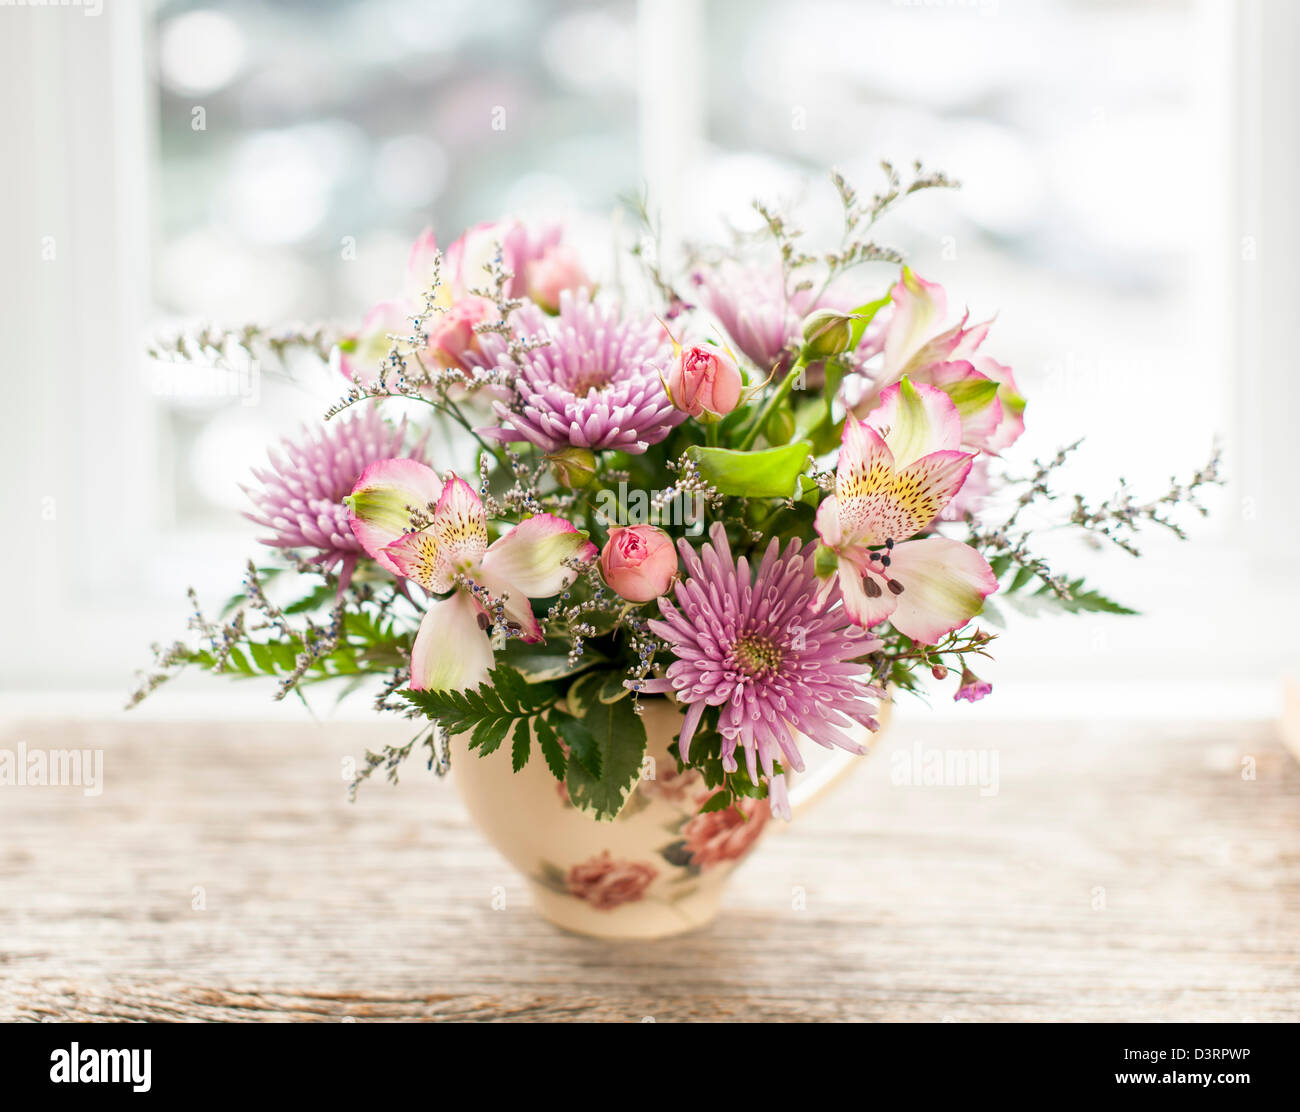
(214, 345)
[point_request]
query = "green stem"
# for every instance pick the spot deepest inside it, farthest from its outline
(778, 396)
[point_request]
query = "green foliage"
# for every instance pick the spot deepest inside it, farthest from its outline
(770, 473)
(706, 757)
(620, 739)
(548, 660)
(505, 706)
(1079, 599)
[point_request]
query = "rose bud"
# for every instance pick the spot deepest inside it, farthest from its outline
(826, 334)
(556, 271)
(638, 562)
(451, 333)
(703, 382)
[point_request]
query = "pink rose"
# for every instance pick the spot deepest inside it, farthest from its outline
(549, 276)
(638, 562)
(718, 836)
(451, 333)
(704, 381)
(605, 883)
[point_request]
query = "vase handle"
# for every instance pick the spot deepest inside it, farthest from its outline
(810, 788)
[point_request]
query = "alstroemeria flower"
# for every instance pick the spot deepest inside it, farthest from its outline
(490, 584)
(916, 344)
(896, 473)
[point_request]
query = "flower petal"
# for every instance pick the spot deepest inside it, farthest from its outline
(974, 394)
(452, 652)
(919, 310)
(379, 507)
(518, 611)
(1011, 401)
(418, 556)
(866, 597)
(863, 473)
(915, 419)
(460, 524)
(944, 585)
(530, 558)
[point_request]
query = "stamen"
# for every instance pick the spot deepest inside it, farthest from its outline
(871, 587)
(895, 586)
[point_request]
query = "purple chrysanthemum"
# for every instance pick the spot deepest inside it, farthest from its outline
(594, 385)
(301, 494)
(763, 651)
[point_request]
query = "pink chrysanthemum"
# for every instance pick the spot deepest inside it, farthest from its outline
(751, 303)
(764, 652)
(301, 494)
(594, 385)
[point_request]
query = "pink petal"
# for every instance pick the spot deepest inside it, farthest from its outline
(944, 585)
(380, 502)
(919, 310)
(530, 558)
(916, 419)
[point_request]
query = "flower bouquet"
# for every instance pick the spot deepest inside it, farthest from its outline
(642, 544)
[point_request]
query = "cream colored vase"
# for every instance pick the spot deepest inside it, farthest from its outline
(657, 869)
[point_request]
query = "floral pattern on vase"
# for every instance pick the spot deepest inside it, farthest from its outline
(606, 883)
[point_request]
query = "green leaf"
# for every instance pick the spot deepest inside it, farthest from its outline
(551, 749)
(583, 693)
(863, 316)
(1082, 600)
(719, 801)
(770, 473)
(320, 598)
(503, 700)
(583, 748)
(547, 661)
(621, 740)
(488, 735)
(522, 745)
(1023, 576)
(613, 688)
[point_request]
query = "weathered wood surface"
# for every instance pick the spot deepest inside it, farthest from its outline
(1119, 873)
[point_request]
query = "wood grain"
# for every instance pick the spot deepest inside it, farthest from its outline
(1126, 873)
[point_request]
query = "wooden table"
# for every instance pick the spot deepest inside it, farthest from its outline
(1120, 872)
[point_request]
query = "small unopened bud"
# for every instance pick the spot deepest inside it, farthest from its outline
(939, 672)
(826, 334)
(573, 467)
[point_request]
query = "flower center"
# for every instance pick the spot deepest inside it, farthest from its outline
(755, 655)
(587, 379)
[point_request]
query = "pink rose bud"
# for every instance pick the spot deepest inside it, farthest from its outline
(452, 335)
(556, 271)
(704, 381)
(638, 562)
